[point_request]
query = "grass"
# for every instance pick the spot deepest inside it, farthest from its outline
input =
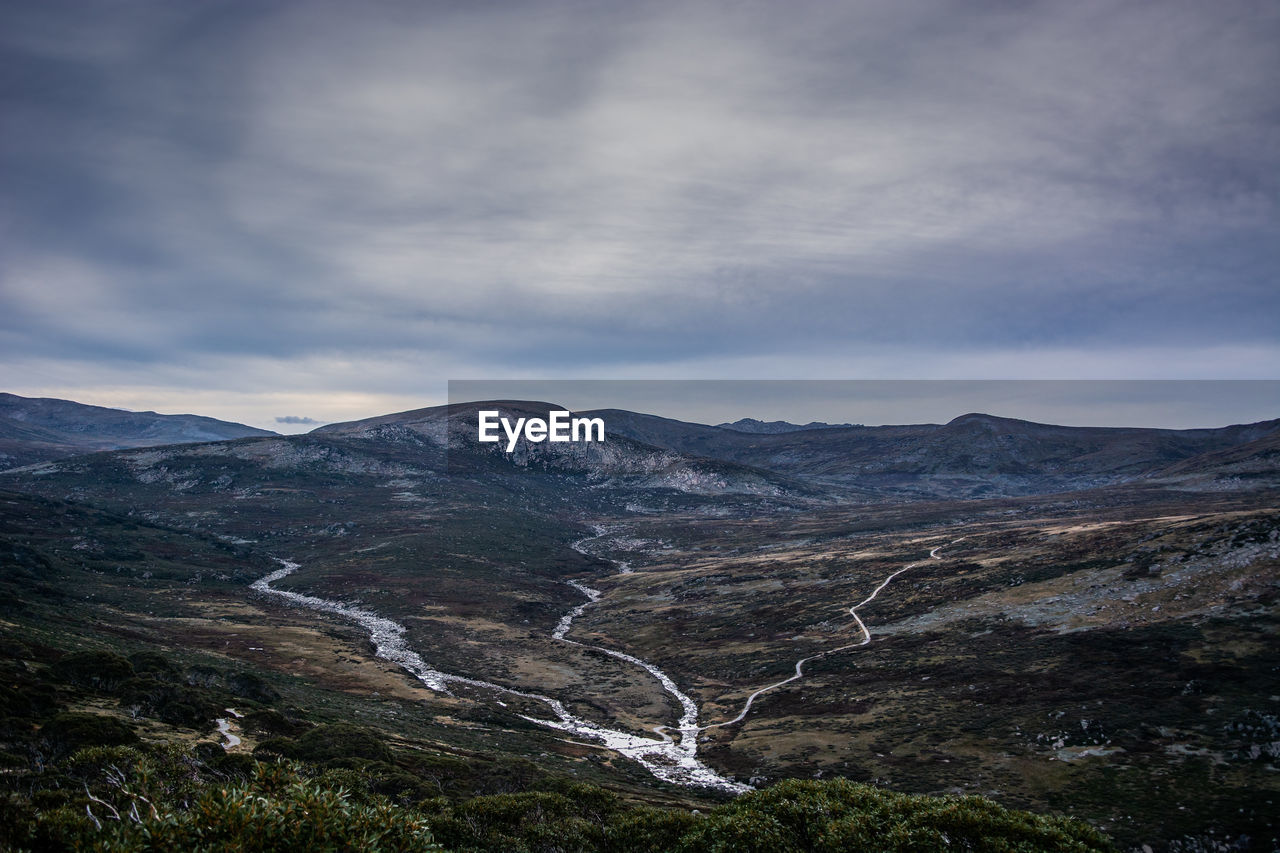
(973, 702)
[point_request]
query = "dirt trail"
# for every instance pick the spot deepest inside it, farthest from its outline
(862, 627)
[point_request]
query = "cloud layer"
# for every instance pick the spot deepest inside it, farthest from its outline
(372, 197)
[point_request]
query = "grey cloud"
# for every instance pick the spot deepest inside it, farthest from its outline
(295, 419)
(545, 185)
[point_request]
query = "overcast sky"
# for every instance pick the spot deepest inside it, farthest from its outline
(317, 211)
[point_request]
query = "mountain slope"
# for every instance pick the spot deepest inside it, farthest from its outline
(37, 429)
(753, 425)
(973, 455)
(1254, 465)
(623, 460)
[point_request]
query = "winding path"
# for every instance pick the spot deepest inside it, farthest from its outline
(866, 638)
(688, 727)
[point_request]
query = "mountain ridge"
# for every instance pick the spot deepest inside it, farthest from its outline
(753, 425)
(40, 429)
(972, 455)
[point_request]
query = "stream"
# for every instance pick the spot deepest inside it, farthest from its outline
(224, 729)
(673, 760)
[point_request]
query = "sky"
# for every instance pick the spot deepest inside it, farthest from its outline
(290, 213)
(1157, 403)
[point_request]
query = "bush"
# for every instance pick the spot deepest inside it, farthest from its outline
(838, 815)
(17, 821)
(532, 821)
(70, 731)
(153, 664)
(277, 810)
(793, 816)
(93, 670)
(340, 740)
(225, 765)
(175, 704)
(649, 830)
(272, 722)
(249, 686)
(25, 698)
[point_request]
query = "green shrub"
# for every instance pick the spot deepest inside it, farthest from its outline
(70, 731)
(521, 823)
(276, 747)
(222, 764)
(644, 829)
(129, 776)
(277, 810)
(175, 704)
(272, 722)
(154, 665)
(838, 815)
(249, 686)
(793, 816)
(23, 704)
(17, 821)
(340, 740)
(93, 670)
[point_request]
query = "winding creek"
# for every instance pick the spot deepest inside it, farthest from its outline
(230, 741)
(671, 759)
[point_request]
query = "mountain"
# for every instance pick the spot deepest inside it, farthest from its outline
(1250, 466)
(621, 461)
(37, 429)
(974, 455)
(773, 427)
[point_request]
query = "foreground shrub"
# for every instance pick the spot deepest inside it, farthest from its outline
(570, 822)
(792, 817)
(837, 815)
(168, 797)
(276, 810)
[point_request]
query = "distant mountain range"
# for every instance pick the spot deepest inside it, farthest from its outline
(972, 456)
(38, 429)
(774, 427)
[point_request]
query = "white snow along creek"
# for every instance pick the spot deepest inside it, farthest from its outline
(669, 759)
(674, 761)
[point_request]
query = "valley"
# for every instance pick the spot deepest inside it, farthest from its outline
(680, 628)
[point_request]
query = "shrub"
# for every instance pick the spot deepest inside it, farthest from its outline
(649, 830)
(521, 823)
(153, 664)
(272, 722)
(249, 686)
(70, 731)
(277, 810)
(793, 816)
(340, 740)
(175, 704)
(93, 670)
(17, 821)
(838, 815)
